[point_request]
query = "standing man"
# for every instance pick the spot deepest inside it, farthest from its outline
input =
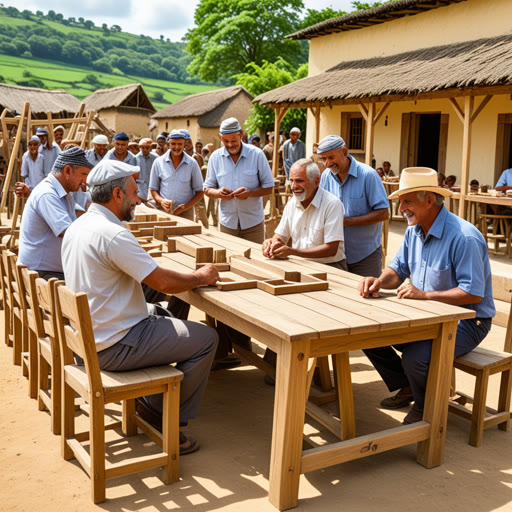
(99, 149)
(50, 154)
(49, 212)
(176, 181)
(32, 164)
(366, 206)
(120, 150)
(239, 175)
(103, 259)
(161, 144)
(145, 161)
(58, 135)
(293, 150)
(446, 259)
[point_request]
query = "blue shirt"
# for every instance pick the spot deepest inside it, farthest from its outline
(179, 185)
(92, 157)
(145, 164)
(49, 155)
(32, 172)
(361, 192)
(250, 171)
(130, 157)
(453, 255)
(292, 153)
(48, 212)
(505, 179)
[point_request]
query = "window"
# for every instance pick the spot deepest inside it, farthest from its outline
(353, 131)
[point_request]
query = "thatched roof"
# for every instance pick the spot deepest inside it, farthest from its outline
(131, 95)
(208, 106)
(368, 17)
(13, 97)
(479, 63)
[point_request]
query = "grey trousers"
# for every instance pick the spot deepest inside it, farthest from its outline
(371, 266)
(160, 340)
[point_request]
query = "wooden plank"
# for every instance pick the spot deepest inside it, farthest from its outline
(466, 151)
(458, 110)
(149, 224)
(370, 131)
(281, 286)
(221, 267)
(163, 232)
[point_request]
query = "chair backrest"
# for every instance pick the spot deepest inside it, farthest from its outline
(3, 277)
(10, 261)
(27, 281)
(44, 302)
(502, 290)
(76, 334)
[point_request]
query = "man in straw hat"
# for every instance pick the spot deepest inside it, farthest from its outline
(443, 258)
(103, 259)
(49, 212)
(366, 206)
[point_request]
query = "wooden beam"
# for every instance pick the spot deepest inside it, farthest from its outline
(50, 130)
(363, 110)
(481, 106)
(74, 126)
(369, 134)
(87, 128)
(317, 123)
(457, 109)
(5, 132)
(69, 120)
(469, 102)
(380, 112)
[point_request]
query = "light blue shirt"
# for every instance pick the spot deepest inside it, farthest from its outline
(505, 179)
(145, 164)
(292, 153)
(453, 255)
(49, 211)
(361, 192)
(179, 185)
(92, 157)
(250, 171)
(49, 155)
(32, 172)
(130, 157)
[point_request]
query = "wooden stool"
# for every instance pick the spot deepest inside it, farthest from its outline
(98, 388)
(482, 363)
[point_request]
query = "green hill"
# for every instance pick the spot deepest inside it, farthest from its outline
(38, 52)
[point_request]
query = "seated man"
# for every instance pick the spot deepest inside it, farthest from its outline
(505, 181)
(32, 164)
(446, 259)
(103, 259)
(386, 167)
(313, 220)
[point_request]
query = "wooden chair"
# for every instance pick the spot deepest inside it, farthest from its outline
(482, 363)
(501, 229)
(98, 388)
(6, 299)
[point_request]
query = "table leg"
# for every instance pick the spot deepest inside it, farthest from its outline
(345, 396)
(430, 451)
(288, 427)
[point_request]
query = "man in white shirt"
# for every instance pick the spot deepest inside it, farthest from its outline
(32, 164)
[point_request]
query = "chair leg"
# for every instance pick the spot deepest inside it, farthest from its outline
(43, 370)
(32, 364)
(97, 449)
(129, 425)
(345, 396)
(56, 394)
(7, 325)
(504, 398)
(322, 376)
(67, 420)
(171, 433)
(478, 416)
(17, 341)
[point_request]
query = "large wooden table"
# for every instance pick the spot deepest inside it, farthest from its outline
(299, 327)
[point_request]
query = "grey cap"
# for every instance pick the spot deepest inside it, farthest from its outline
(72, 156)
(187, 134)
(35, 138)
(329, 143)
(230, 125)
(176, 134)
(110, 170)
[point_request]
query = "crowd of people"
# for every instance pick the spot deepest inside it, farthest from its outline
(334, 216)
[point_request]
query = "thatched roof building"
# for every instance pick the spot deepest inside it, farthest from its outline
(125, 108)
(408, 74)
(59, 103)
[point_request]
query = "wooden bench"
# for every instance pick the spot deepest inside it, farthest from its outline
(482, 363)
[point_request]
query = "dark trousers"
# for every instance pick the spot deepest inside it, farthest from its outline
(179, 308)
(371, 266)
(412, 368)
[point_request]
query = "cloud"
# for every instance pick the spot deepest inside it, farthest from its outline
(163, 15)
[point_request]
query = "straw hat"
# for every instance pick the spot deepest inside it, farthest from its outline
(414, 179)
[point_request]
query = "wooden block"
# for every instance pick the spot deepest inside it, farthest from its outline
(152, 246)
(163, 232)
(221, 267)
(219, 256)
(155, 253)
(280, 286)
(227, 284)
(150, 224)
(204, 254)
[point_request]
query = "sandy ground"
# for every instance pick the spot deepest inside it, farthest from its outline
(230, 472)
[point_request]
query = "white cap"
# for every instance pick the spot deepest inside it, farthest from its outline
(100, 139)
(295, 130)
(110, 170)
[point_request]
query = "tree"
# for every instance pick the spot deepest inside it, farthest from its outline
(313, 17)
(115, 28)
(51, 15)
(231, 34)
(26, 14)
(89, 24)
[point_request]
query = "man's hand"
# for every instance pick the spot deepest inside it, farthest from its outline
(370, 286)
(179, 209)
(282, 251)
(265, 248)
(166, 204)
(241, 193)
(270, 246)
(225, 193)
(21, 189)
(207, 275)
(407, 291)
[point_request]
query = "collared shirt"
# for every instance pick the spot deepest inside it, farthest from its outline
(292, 153)
(250, 171)
(361, 192)
(179, 185)
(32, 172)
(453, 255)
(321, 222)
(145, 164)
(130, 157)
(505, 179)
(103, 259)
(82, 199)
(92, 157)
(49, 211)
(49, 155)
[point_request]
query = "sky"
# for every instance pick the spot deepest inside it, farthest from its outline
(170, 18)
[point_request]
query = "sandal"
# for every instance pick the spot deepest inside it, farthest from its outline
(188, 444)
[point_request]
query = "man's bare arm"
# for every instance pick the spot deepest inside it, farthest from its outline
(372, 217)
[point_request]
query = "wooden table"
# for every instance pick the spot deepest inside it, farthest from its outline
(299, 327)
(472, 200)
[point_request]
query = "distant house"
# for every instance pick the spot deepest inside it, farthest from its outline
(201, 114)
(60, 103)
(126, 108)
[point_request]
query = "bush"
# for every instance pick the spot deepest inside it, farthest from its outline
(27, 73)
(26, 55)
(92, 79)
(102, 65)
(33, 82)
(159, 96)
(117, 71)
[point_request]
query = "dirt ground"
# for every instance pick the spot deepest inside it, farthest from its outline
(230, 472)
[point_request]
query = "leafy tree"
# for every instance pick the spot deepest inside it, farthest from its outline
(115, 28)
(230, 34)
(89, 24)
(81, 20)
(8, 48)
(21, 46)
(102, 64)
(59, 17)
(159, 96)
(39, 14)
(38, 45)
(25, 55)
(313, 17)
(51, 15)
(26, 14)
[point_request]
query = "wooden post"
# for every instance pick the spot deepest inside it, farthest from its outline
(87, 128)
(466, 151)
(50, 130)
(74, 126)
(279, 113)
(5, 131)
(369, 134)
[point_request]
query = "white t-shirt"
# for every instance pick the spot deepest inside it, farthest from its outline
(321, 222)
(102, 258)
